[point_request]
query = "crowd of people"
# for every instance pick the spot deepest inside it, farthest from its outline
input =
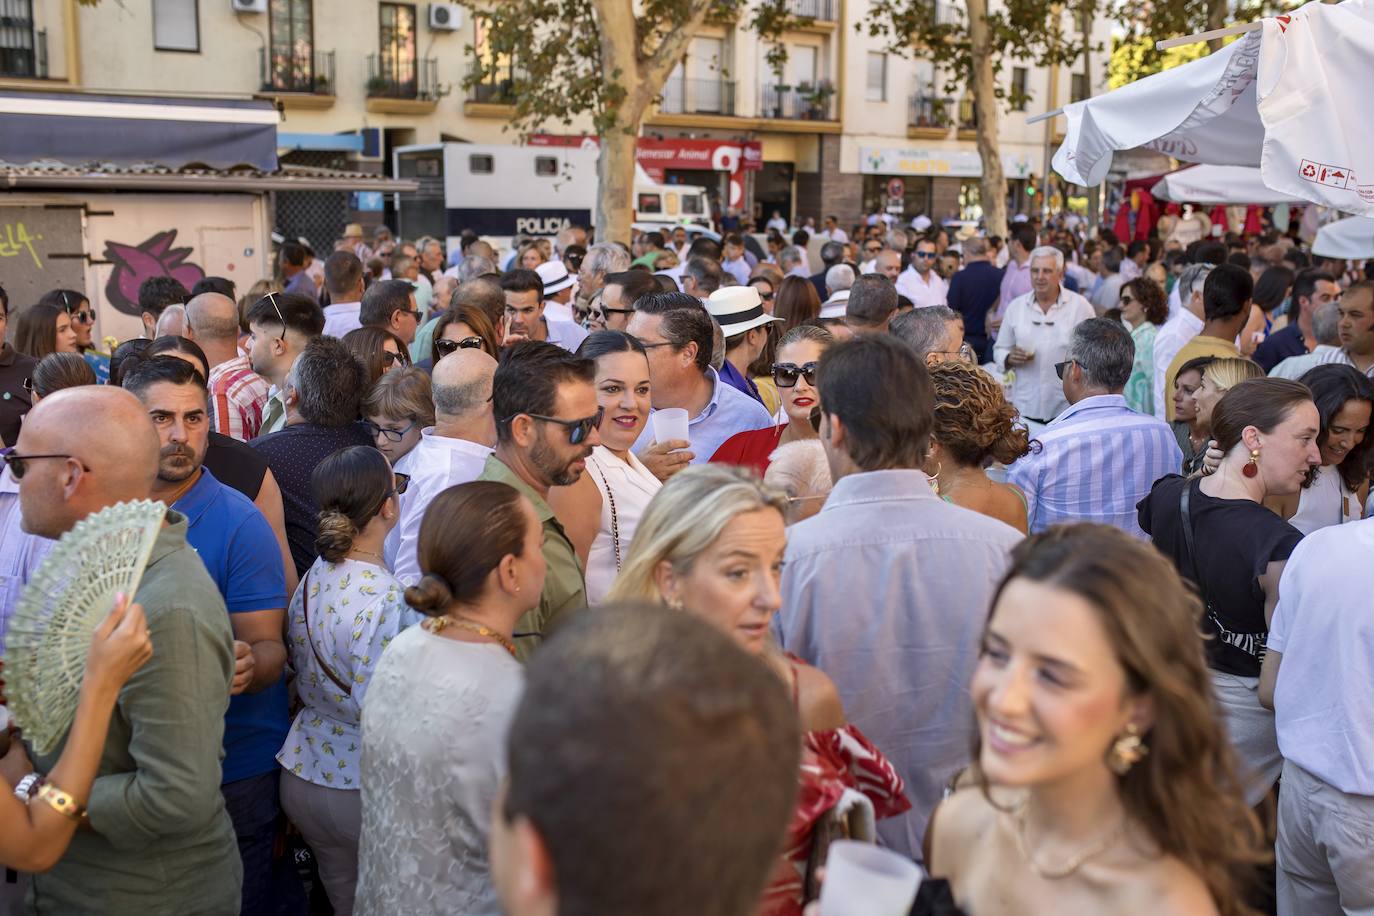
(623, 577)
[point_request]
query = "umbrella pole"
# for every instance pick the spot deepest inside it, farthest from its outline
(1199, 37)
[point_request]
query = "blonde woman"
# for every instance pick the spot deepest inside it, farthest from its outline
(711, 543)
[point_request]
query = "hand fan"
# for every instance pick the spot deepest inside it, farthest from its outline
(50, 633)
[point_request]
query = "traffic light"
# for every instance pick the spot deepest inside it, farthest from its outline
(1032, 186)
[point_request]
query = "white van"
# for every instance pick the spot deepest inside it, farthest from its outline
(503, 191)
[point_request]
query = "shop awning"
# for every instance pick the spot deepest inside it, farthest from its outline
(110, 177)
(81, 128)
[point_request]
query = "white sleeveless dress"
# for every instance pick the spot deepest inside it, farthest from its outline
(629, 487)
(1327, 502)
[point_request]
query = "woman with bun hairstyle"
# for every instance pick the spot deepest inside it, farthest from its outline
(975, 425)
(343, 614)
(434, 726)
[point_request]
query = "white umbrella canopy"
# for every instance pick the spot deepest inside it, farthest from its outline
(1289, 98)
(1350, 239)
(1220, 184)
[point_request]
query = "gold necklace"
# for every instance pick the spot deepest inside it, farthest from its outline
(437, 625)
(368, 553)
(1096, 848)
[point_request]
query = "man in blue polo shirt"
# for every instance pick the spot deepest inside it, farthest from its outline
(973, 290)
(240, 552)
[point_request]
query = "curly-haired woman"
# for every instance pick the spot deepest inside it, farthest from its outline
(1144, 307)
(974, 425)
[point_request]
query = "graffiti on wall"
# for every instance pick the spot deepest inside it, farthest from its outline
(153, 257)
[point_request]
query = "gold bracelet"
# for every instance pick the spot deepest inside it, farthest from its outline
(60, 802)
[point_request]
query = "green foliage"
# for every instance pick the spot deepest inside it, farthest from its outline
(1134, 58)
(1142, 24)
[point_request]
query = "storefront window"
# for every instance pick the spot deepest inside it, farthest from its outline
(915, 199)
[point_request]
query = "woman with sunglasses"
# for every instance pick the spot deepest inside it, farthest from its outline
(378, 350)
(44, 329)
(1144, 307)
(397, 408)
(464, 326)
(78, 307)
(602, 509)
(345, 612)
(794, 373)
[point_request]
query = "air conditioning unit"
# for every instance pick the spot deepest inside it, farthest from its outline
(445, 17)
(249, 6)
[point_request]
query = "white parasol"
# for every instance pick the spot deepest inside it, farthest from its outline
(1289, 97)
(1350, 239)
(1219, 184)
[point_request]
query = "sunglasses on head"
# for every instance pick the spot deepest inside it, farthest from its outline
(785, 375)
(578, 430)
(446, 346)
(18, 468)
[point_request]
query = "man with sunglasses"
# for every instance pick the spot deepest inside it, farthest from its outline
(239, 550)
(920, 282)
(156, 817)
(546, 411)
(451, 452)
(618, 298)
(390, 305)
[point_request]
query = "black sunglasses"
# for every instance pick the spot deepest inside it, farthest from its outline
(926, 255)
(785, 375)
(395, 359)
(17, 467)
(391, 435)
(445, 346)
(578, 430)
(402, 483)
(610, 311)
(83, 317)
(1061, 368)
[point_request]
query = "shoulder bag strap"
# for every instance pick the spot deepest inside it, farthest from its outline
(319, 660)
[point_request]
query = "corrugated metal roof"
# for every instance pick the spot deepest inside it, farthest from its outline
(107, 176)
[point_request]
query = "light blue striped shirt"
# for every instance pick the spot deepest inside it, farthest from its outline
(1096, 461)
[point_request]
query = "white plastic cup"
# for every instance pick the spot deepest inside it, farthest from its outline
(863, 880)
(670, 423)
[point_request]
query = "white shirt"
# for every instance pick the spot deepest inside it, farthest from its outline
(1171, 338)
(1037, 391)
(931, 290)
(558, 311)
(1129, 269)
(838, 235)
(1324, 626)
(777, 223)
(1175, 302)
(434, 464)
(1294, 367)
(631, 487)
(342, 317)
(565, 334)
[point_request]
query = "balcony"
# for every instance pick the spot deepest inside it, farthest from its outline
(299, 79)
(698, 97)
(820, 11)
(493, 97)
(798, 103)
(931, 117)
(23, 51)
(402, 86)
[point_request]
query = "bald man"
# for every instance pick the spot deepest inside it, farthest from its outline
(159, 838)
(889, 264)
(451, 452)
(238, 395)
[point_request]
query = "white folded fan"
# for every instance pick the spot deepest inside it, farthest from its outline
(74, 588)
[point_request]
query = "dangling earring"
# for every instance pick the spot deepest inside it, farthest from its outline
(935, 478)
(1251, 468)
(1128, 750)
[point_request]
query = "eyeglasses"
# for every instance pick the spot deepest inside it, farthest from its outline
(18, 468)
(578, 430)
(785, 374)
(402, 483)
(391, 435)
(872, 249)
(610, 311)
(926, 255)
(28, 385)
(964, 354)
(445, 346)
(83, 317)
(1061, 368)
(392, 358)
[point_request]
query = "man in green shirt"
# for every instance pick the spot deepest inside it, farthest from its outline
(159, 839)
(544, 402)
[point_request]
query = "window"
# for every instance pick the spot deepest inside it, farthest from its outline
(481, 164)
(876, 90)
(1078, 87)
(691, 204)
(1020, 86)
(17, 38)
(293, 45)
(176, 25)
(649, 203)
(801, 65)
(545, 166)
(397, 42)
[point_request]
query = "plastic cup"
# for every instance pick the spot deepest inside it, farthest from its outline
(864, 880)
(670, 423)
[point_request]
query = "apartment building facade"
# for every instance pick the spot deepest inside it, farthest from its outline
(844, 127)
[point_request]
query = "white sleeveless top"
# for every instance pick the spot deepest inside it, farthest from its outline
(631, 486)
(1327, 502)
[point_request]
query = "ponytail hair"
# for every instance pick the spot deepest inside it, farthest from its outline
(350, 487)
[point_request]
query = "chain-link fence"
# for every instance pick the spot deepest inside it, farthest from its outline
(317, 216)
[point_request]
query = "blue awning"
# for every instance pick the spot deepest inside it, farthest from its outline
(79, 128)
(333, 143)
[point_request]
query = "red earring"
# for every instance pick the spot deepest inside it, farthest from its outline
(1251, 468)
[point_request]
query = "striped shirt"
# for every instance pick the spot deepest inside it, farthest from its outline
(1096, 461)
(237, 396)
(1338, 356)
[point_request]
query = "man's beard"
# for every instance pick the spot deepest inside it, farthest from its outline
(178, 471)
(542, 456)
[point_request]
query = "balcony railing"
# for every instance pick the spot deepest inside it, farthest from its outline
(820, 10)
(968, 115)
(288, 70)
(494, 89)
(403, 79)
(941, 113)
(699, 96)
(23, 51)
(798, 103)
